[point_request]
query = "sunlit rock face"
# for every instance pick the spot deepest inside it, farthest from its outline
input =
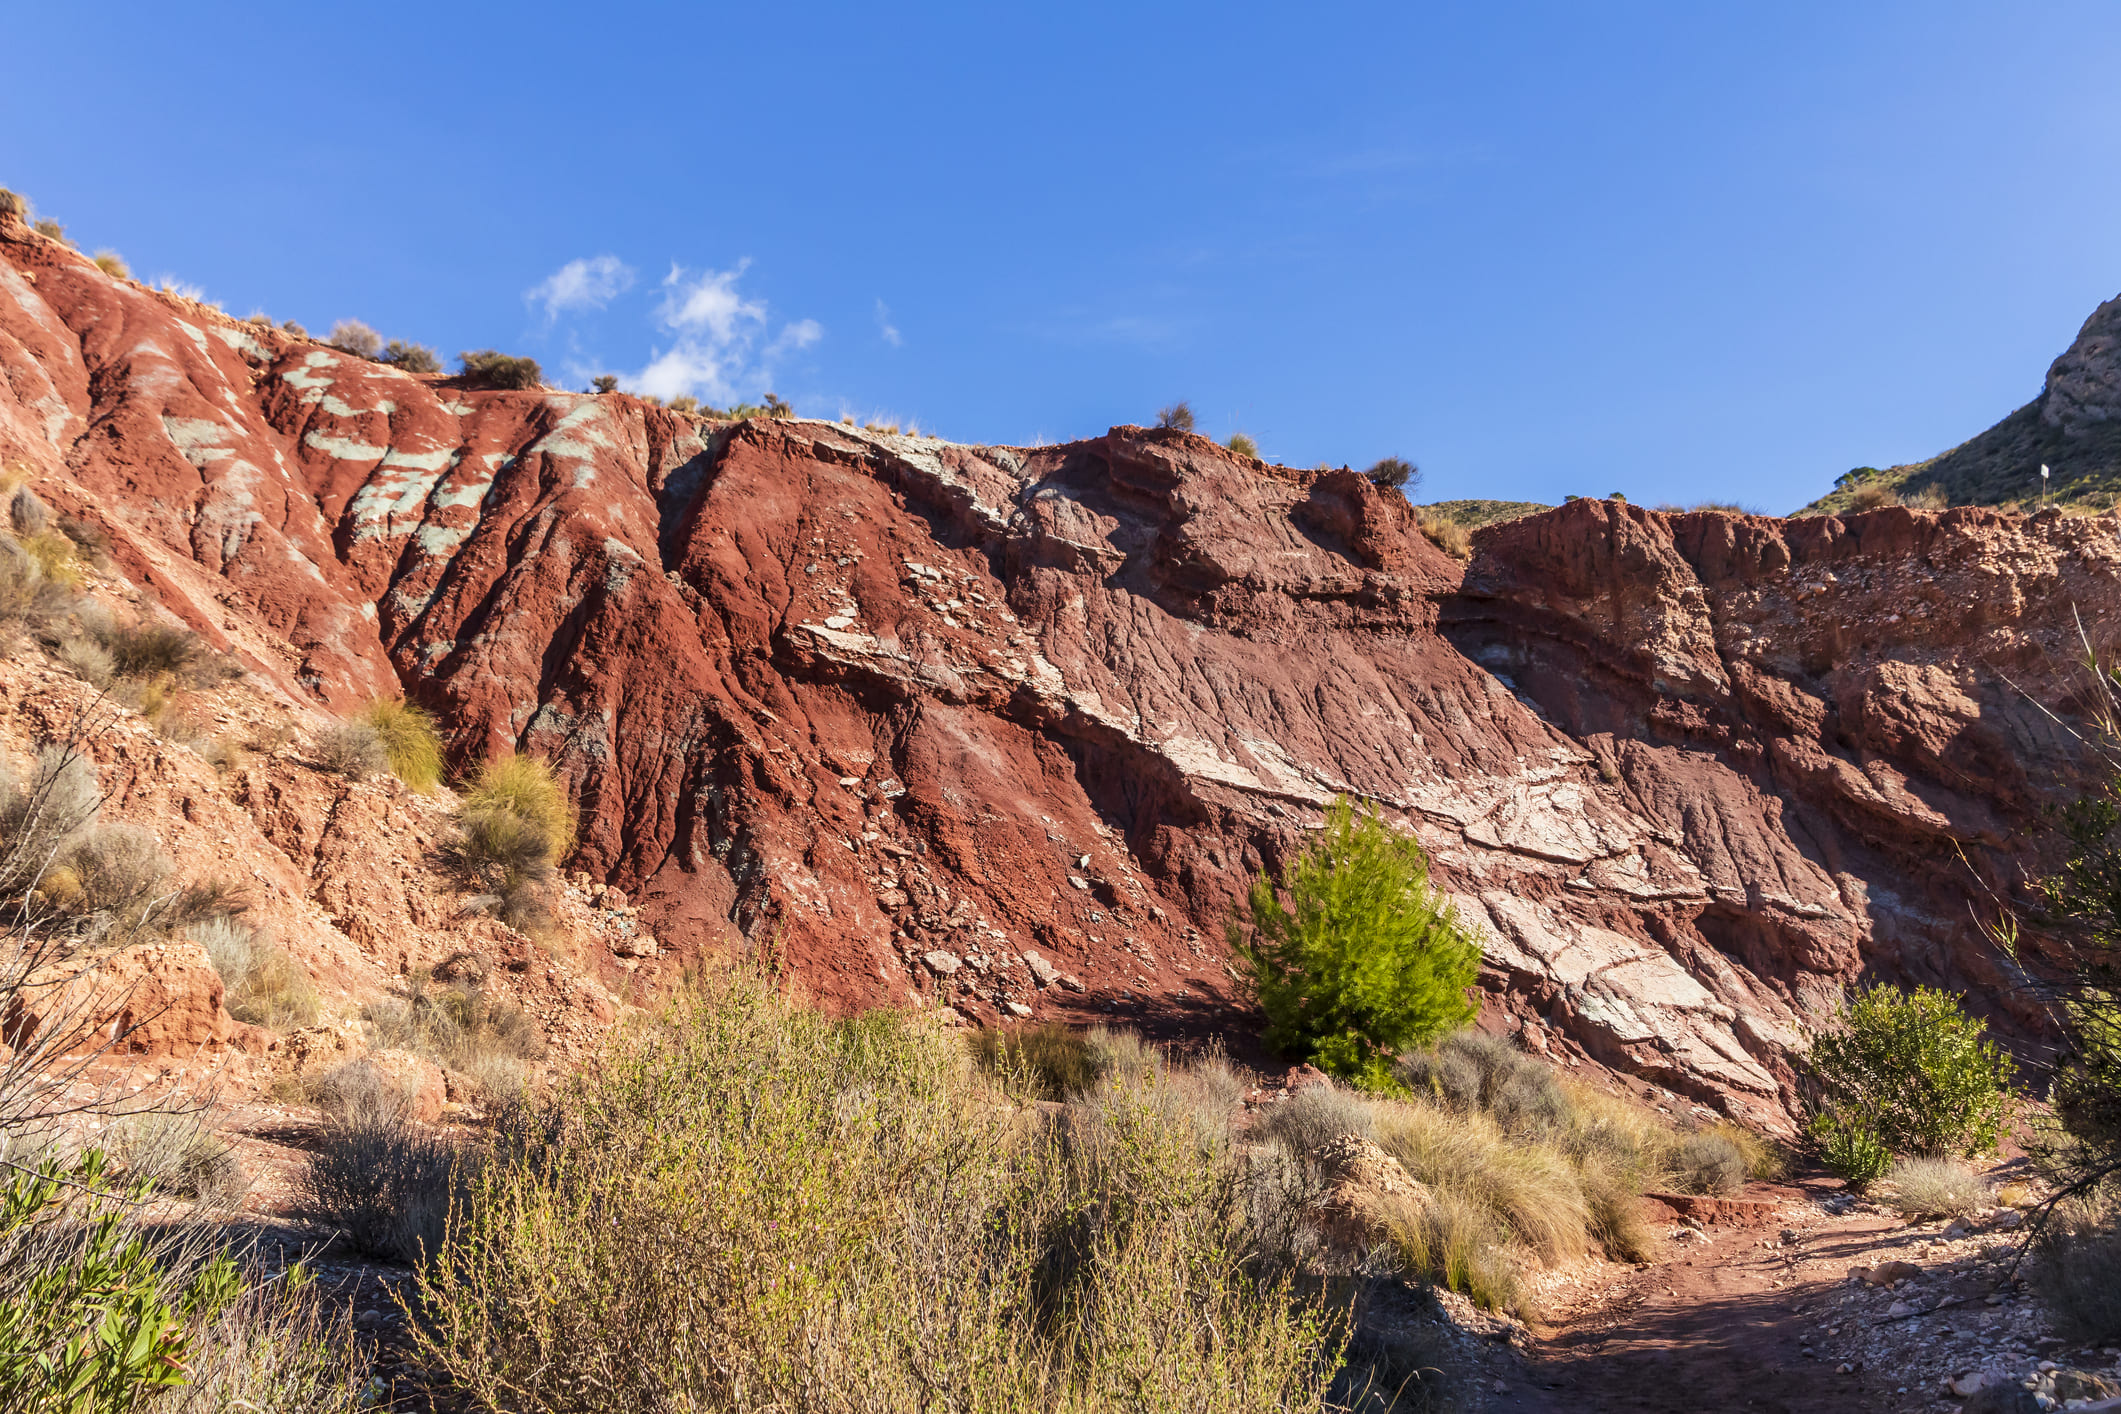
(898, 712)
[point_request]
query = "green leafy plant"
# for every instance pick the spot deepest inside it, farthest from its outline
(88, 1324)
(1364, 959)
(1850, 1148)
(1913, 1070)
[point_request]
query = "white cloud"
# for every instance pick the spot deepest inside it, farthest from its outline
(589, 283)
(885, 327)
(716, 354)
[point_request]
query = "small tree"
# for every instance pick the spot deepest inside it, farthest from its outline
(1912, 1071)
(604, 383)
(1178, 416)
(1395, 474)
(1364, 959)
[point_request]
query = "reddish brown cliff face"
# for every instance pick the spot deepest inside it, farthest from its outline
(1011, 727)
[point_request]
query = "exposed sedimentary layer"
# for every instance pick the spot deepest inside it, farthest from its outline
(1010, 727)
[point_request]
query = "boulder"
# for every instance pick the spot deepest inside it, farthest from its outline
(159, 999)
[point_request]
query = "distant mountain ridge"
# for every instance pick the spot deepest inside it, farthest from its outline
(2073, 428)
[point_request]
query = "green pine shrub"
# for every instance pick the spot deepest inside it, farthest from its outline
(1913, 1071)
(1364, 960)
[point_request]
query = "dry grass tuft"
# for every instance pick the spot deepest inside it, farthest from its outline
(353, 750)
(1934, 1188)
(1447, 535)
(180, 1156)
(525, 787)
(2078, 1276)
(265, 987)
(409, 740)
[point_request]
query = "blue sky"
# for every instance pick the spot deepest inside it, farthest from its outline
(1682, 251)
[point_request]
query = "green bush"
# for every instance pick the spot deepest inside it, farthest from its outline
(604, 383)
(1913, 1070)
(495, 369)
(1242, 445)
(757, 1206)
(1850, 1148)
(1365, 959)
(90, 1322)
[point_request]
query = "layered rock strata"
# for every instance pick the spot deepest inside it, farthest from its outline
(1007, 729)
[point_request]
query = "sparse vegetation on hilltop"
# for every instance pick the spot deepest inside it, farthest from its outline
(493, 369)
(1471, 515)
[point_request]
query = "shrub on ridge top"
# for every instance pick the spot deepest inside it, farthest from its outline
(495, 369)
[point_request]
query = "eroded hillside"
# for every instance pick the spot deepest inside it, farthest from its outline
(1006, 729)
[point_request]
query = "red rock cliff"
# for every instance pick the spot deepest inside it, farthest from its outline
(1012, 726)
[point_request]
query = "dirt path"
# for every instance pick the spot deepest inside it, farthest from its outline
(1739, 1319)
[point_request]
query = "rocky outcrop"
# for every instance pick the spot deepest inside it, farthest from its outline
(902, 714)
